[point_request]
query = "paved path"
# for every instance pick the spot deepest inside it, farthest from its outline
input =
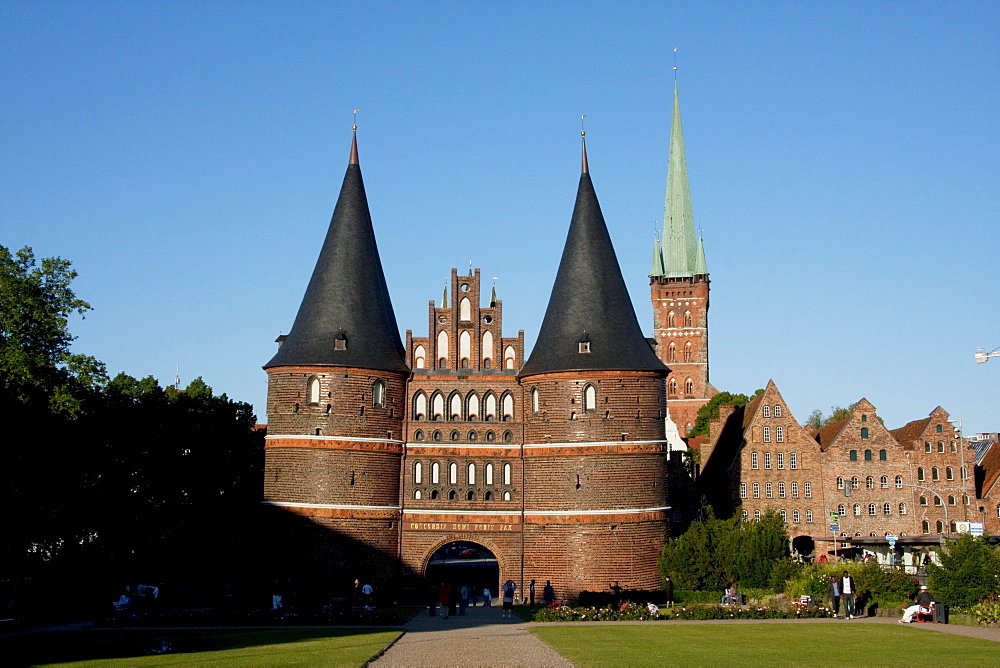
(480, 638)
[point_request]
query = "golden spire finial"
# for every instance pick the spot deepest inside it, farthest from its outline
(355, 126)
(583, 130)
(675, 63)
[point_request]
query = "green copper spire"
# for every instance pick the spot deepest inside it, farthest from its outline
(657, 258)
(679, 252)
(444, 297)
(700, 265)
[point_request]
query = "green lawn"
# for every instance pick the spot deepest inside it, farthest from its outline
(833, 644)
(201, 647)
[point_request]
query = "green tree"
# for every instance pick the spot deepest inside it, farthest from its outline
(36, 364)
(710, 411)
(969, 572)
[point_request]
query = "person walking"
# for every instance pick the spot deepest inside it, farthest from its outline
(833, 593)
(847, 595)
(508, 598)
(668, 591)
(531, 593)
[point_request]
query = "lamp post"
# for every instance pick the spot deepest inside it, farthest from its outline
(961, 450)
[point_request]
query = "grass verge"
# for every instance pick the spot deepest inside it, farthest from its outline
(202, 647)
(765, 644)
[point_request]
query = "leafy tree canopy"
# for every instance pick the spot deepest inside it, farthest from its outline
(710, 411)
(969, 572)
(36, 365)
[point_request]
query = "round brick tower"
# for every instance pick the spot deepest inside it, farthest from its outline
(335, 405)
(595, 453)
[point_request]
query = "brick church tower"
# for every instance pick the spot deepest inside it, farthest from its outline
(679, 291)
(335, 404)
(595, 455)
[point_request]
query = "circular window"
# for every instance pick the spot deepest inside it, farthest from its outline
(464, 287)
(442, 319)
(487, 319)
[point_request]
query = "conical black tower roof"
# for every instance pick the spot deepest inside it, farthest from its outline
(347, 298)
(589, 302)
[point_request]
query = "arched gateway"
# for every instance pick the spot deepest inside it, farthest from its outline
(464, 562)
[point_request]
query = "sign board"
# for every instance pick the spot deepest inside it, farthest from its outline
(834, 518)
(963, 527)
(976, 528)
(834, 528)
(892, 540)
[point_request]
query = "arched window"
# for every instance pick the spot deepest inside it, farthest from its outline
(769, 490)
(455, 406)
(939, 428)
(756, 516)
(418, 435)
(927, 446)
(508, 357)
(864, 432)
(756, 490)
(507, 496)
(488, 496)
(746, 514)
(925, 526)
(795, 517)
(671, 319)
(453, 473)
(314, 390)
(902, 509)
(489, 474)
(378, 394)
(672, 352)
(508, 437)
(784, 515)
(688, 386)
(490, 436)
(437, 406)
(854, 455)
(935, 474)
(923, 500)
(418, 355)
(465, 348)
(437, 435)
(470, 496)
(840, 482)
(939, 526)
(589, 398)
(743, 490)
(454, 435)
(779, 434)
(420, 406)
(809, 517)
(442, 349)
(869, 483)
(465, 309)
(506, 474)
(688, 352)
(781, 490)
(920, 474)
(452, 495)
(855, 483)
(807, 490)
(534, 401)
(435, 473)
(507, 403)
(882, 455)
(793, 460)
(687, 318)
(951, 500)
(940, 446)
(434, 494)
(949, 473)
(777, 411)
(857, 509)
(767, 411)
(471, 475)
(871, 508)
(418, 473)
(472, 406)
(473, 436)
(884, 482)
(841, 510)
(490, 410)
(899, 482)
(886, 509)
(868, 455)
(487, 350)
(672, 386)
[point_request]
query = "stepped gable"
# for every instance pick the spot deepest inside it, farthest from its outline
(347, 297)
(589, 302)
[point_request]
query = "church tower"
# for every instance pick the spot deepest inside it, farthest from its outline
(594, 454)
(335, 404)
(679, 292)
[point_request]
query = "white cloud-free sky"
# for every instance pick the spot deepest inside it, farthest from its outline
(843, 158)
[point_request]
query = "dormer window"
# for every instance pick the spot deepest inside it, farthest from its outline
(583, 345)
(340, 343)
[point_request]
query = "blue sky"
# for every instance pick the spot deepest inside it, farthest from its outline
(843, 157)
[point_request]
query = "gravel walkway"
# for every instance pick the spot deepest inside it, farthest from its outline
(480, 638)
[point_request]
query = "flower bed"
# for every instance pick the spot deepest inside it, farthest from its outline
(633, 612)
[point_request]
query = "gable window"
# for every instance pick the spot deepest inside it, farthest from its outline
(883, 455)
(781, 460)
(768, 490)
(902, 509)
(767, 435)
(753, 460)
(927, 446)
(767, 411)
(777, 411)
(807, 490)
(854, 455)
(940, 446)
(864, 432)
(795, 490)
(939, 428)
(793, 460)
(781, 490)
(779, 433)
(868, 455)
(767, 460)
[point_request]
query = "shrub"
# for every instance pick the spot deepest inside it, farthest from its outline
(969, 572)
(633, 612)
(986, 612)
(884, 588)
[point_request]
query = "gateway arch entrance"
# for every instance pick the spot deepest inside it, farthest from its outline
(463, 562)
